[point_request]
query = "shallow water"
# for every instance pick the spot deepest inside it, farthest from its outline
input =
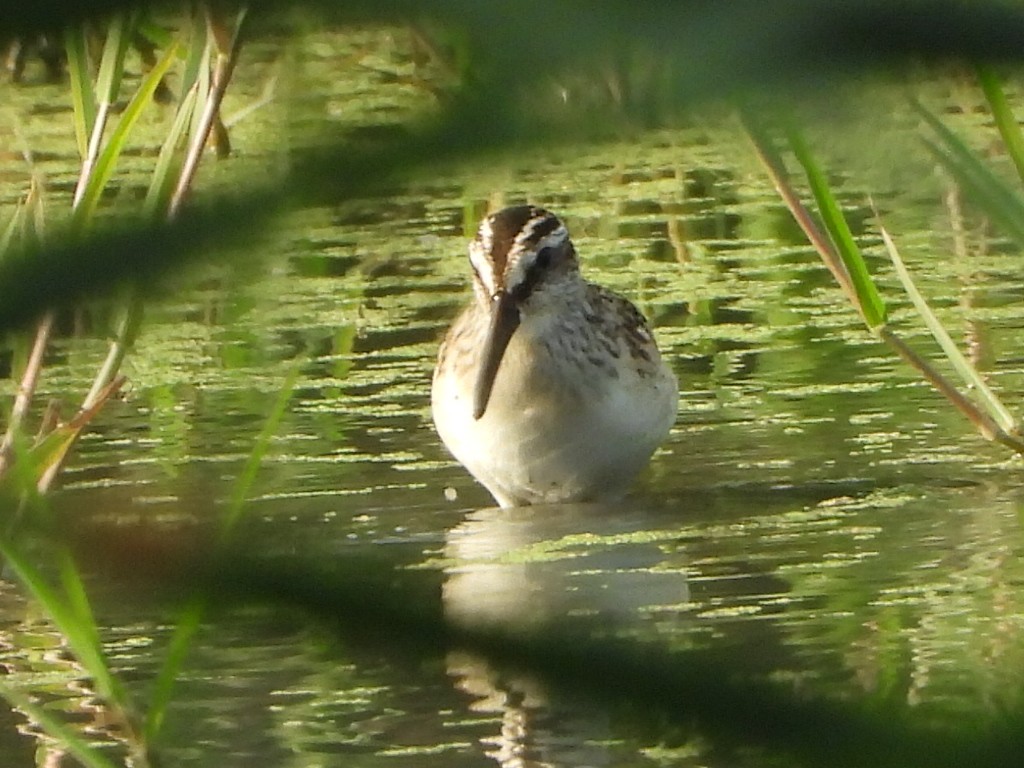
(818, 514)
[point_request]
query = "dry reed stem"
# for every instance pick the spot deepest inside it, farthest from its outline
(26, 389)
(985, 425)
(821, 242)
(223, 69)
(76, 425)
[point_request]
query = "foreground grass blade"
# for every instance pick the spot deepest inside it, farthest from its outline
(1005, 120)
(871, 305)
(83, 96)
(79, 748)
(78, 600)
(162, 183)
(108, 82)
(115, 47)
(245, 480)
(197, 59)
(211, 94)
(993, 405)
(772, 161)
(107, 160)
(27, 223)
(174, 659)
(82, 639)
(997, 198)
(191, 617)
(127, 331)
(13, 226)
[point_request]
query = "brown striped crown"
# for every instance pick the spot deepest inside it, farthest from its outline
(516, 247)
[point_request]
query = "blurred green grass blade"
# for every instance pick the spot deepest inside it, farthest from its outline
(107, 160)
(79, 748)
(34, 222)
(968, 372)
(83, 97)
(259, 450)
(202, 84)
(52, 448)
(107, 684)
(80, 639)
(174, 659)
(871, 305)
(1005, 120)
(984, 189)
(18, 490)
(198, 58)
(188, 623)
(770, 157)
(108, 82)
(25, 225)
(127, 332)
(77, 600)
(163, 180)
(119, 38)
(156, 34)
(987, 190)
(12, 227)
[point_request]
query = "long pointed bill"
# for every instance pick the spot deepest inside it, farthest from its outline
(504, 321)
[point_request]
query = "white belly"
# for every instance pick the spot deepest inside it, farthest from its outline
(555, 436)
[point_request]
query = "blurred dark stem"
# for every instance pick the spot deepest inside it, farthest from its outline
(713, 50)
(138, 252)
(808, 32)
(368, 601)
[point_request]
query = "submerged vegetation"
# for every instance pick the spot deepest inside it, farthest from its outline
(470, 87)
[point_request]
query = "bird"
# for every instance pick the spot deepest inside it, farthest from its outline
(548, 388)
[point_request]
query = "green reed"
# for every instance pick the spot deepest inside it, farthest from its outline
(845, 260)
(26, 472)
(191, 616)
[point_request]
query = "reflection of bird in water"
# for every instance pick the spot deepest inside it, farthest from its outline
(548, 388)
(525, 569)
(520, 568)
(536, 730)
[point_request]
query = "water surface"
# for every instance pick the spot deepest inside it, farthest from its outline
(818, 513)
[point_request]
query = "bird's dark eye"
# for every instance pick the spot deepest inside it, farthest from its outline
(544, 257)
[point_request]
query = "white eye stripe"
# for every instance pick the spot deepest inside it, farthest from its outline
(486, 235)
(524, 240)
(479, 257)
(526, 246)
(556, 237)
(504, 251)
